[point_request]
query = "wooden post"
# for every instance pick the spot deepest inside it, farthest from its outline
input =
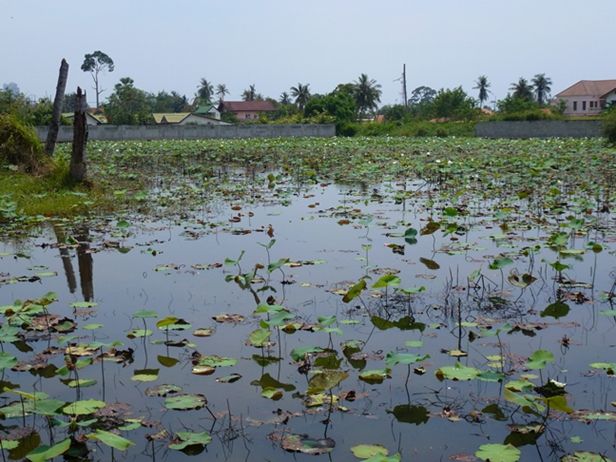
(52, 134)
(80, 138)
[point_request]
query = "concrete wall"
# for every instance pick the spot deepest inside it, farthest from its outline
(190, 132)
(540, 129)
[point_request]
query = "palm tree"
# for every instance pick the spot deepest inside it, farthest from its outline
(541, 85)
(221, 91)
(285, 98)
(301, 94)
(522, 89)
(205, 90)
(367, 94)
(482, 85)
(250, 94)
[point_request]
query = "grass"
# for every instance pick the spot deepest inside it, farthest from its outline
(49, 194)
(416, 128)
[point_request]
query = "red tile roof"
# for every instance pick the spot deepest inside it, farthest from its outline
(595, 88)
(248, 106)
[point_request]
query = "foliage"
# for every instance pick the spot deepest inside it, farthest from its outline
(95, 63)
(339, 105)
(541, 87)
(483, 86)
(516, 108)
(522, 89)
(301, 93)
(128, 105)
(26, 110)
(453, 104)
(221, 91)
(19, 145)
(251, 94)
(609, 126)
(367, 95)
(205, 91)
(395, 112)
(168, 102)
(415, 127)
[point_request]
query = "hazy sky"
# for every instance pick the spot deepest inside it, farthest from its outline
(275, 44)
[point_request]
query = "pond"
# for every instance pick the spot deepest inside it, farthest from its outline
(311, 299)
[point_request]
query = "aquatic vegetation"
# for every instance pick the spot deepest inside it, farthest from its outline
(377, 299)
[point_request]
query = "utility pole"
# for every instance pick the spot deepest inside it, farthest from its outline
(406, 99)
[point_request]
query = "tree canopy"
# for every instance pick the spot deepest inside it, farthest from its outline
(483, 86)
(301, 93)
(128, 105)
(541, 87)
(95, 63)
(367, 95)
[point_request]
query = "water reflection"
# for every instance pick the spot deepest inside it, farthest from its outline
(85, 261)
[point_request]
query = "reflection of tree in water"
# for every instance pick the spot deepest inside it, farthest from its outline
(84, 261)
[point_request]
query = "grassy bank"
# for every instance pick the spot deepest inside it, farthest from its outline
(47, 194)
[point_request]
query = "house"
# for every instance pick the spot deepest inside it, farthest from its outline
(247, 110)
(91, 119)
(208, 110)
(588, 97)
(205, 114)
(185, 118)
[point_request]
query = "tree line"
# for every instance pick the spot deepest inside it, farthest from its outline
(127, 104)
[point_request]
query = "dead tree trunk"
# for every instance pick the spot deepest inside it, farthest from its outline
(80, 138)
(52, 134)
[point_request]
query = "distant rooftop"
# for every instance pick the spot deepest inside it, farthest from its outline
(595, 88)
(248, 106)
(170, 117)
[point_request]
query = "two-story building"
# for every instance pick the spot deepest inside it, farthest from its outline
(588, 97)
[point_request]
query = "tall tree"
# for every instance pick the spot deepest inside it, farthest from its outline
(541, 87)
(301, 93)
(205, 90)
(367, 94)
(285, 98)
(95, 63)
(522, 89)
(250, 94)
(221, 91)
(483, 86)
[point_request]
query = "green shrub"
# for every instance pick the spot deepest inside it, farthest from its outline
(345, 129)
(609, 126)
(19, 145)
(441, 132)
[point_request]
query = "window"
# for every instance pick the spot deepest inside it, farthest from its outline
(575, 105)
(583, 105)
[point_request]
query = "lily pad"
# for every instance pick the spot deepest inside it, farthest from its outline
(111, 439)
(539, 359)
(498, 453)
(306, 445)
(84, 407)
(186, 402)
(163, 390)
(457, 372)
(403, 358)
(43, 453)
(183, 440)
(325, 380)
(585, 456)
(366, 451)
